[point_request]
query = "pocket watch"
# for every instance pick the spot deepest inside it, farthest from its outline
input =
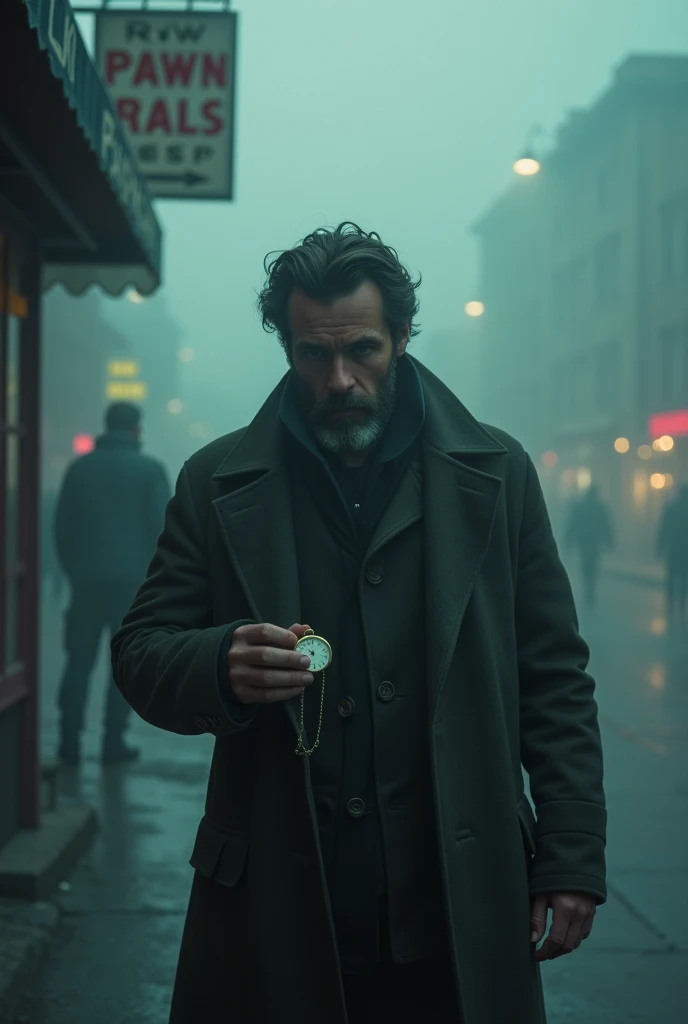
(319, 651)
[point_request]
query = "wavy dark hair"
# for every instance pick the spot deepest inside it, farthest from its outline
(331, 263)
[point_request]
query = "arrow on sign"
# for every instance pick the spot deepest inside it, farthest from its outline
(188, 178)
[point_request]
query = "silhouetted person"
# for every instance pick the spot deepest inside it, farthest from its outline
(109, 514)
(51, 573)
(672, 548)
(590, 533)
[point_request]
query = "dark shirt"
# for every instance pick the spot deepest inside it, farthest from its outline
(351, 502)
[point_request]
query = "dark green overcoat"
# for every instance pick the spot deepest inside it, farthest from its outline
(507, 686)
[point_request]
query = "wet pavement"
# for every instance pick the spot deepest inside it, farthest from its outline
(124, 909)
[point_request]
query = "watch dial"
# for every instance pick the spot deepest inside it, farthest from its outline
(317, 651)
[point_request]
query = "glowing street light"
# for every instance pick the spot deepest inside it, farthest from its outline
(135, 297)
(645, 452)
(657, 481)
(186, 355)
(175, 406)
(665, 443)
(474, 308)
(550, 459)
(622, 445)
(526, 166)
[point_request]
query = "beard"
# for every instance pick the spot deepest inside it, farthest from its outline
(347, 436)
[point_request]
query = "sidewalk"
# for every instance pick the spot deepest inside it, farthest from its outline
(123, 911)
(648, 573)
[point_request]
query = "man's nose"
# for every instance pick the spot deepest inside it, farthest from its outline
(340, 379)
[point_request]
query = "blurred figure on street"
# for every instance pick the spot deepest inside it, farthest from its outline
(109, 514)
(589, 532)
(51, 574)
(672, 548)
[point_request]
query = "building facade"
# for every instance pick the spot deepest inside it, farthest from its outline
(584, 273)
(72, 209)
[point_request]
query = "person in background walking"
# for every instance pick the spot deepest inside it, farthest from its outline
(590, 533)
(672, 548)
(51, 573)
(109, 513)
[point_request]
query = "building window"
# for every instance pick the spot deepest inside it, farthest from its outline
(674, 240)
(607, 260)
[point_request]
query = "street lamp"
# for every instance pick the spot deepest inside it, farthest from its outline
(474, 308)
(526, 165)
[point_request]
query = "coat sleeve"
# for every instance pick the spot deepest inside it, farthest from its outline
(560, 738)
(168, 659)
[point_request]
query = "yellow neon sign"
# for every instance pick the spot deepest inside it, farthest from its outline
(118, 390)
(123, 368)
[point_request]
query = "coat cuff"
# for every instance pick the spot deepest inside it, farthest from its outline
(570, 847)
(238, 713)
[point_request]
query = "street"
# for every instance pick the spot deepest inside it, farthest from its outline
(124, 907)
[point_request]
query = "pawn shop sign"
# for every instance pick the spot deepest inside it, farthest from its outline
(171, 79)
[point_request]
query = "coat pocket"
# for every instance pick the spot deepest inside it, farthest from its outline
(528, 824)
(218, 853)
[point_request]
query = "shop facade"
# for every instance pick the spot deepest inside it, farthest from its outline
(73, 210)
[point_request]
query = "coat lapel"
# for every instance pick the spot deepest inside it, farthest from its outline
(460, 500)
(256, 523)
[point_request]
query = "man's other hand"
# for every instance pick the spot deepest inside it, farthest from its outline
(572, 917)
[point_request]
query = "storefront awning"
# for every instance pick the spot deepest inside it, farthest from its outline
(66, 169)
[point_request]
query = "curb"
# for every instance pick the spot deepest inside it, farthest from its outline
(27, 931)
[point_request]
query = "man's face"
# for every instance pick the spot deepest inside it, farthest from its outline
(345, 364)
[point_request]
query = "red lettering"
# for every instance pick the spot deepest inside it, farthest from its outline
(178, 67)
(145, 70)
(159, 118)
(184, 127)
(129, 111)
(216, 123)
(115, 61)
(214, 70)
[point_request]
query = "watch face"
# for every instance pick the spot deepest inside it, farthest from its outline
(317, 650)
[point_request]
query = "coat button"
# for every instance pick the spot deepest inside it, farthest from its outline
(385, 691)
(346, 707)
(355, 806)
(374, 573)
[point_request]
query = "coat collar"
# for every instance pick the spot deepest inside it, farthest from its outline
(457, 502)
(447, 427)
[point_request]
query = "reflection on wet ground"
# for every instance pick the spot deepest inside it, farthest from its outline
(115, 958)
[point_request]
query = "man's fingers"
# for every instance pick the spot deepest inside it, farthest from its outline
(570, 917)
(538, 917)
(265, 634)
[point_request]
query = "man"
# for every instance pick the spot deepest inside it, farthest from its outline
(395, 871)
(672, 548)
(590, 533)
(109, 513)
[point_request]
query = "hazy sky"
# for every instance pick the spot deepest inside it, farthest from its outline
(404, 117)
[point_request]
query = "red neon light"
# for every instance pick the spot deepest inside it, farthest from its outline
(675, 424)
(82, 444)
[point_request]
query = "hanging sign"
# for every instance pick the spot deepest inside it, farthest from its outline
(171, 79)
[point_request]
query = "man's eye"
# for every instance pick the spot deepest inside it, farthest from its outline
(363, 350)
(312, 353)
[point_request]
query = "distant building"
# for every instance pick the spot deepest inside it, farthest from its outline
(584, 275)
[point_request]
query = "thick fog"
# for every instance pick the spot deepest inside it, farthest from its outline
(404, 117)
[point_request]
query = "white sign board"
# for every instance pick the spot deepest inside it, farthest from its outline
(171, 79)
